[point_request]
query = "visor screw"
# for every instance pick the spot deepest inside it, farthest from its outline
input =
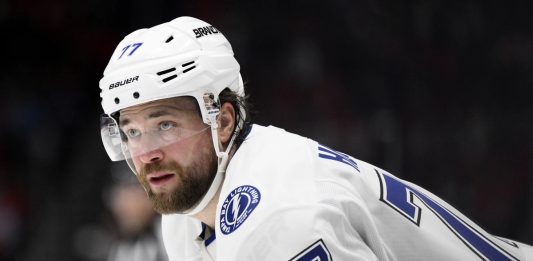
(117, 100)
(136, 95)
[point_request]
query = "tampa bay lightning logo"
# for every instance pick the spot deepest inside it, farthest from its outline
(237, 207)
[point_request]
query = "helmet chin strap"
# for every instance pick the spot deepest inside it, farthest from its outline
(223, 157)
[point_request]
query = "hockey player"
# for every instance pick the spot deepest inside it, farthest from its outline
(175, 110)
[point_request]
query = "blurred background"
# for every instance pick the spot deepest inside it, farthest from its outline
(436, 92)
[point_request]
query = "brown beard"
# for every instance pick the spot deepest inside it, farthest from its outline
(193, 183)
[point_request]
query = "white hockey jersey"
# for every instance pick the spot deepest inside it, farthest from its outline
(286, 197)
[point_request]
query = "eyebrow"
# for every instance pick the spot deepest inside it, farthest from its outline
(152, 115)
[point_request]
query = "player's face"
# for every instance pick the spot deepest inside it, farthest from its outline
(178, 173)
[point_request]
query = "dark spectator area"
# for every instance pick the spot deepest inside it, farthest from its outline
(437, 92)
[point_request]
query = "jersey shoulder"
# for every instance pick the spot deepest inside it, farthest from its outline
(268, 154)
(284, 191)
(269, 207)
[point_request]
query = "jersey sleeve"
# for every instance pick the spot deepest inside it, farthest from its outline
(415, 224)
(526, 250)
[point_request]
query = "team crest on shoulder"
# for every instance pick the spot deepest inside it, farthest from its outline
(237, 207)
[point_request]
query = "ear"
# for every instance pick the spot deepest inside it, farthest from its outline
(226, 123)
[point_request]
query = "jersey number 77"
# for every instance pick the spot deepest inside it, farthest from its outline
(399, 196)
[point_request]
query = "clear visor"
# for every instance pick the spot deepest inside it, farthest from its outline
(124, 145)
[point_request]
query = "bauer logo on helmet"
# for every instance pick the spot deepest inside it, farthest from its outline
(124, 82)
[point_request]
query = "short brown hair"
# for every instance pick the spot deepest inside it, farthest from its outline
(242, 108)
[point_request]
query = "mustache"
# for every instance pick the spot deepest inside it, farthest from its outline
(158, 166)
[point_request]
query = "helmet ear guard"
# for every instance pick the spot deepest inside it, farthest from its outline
(183, 57)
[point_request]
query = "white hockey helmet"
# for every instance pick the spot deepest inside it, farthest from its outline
(183, 57)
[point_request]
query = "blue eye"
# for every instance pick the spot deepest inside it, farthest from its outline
(166, 125)
(132, 133)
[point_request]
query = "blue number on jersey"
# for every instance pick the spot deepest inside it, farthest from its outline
(327, 153)
(399, 196)
(315, 252)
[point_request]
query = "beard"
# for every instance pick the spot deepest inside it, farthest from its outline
(193, 183)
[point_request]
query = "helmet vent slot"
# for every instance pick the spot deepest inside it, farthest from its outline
(188, 64)
(169, 78)
(169, 39)
(188, 69)
(166, 71)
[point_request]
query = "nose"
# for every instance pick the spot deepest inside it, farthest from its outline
(152, 156)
